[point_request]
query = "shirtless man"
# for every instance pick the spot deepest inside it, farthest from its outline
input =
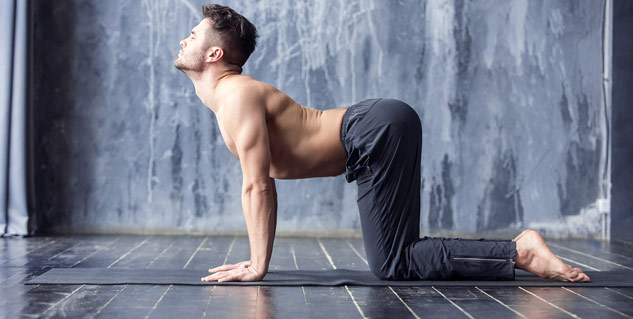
(376, 142)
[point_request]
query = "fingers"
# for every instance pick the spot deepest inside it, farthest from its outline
(218, 275)
(229, 267)
(231, 275)
(236, 277)
(237, 274)
(224, 268)
(242, 274)
(221, 268)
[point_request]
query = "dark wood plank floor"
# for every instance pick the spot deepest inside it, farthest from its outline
(23, 258)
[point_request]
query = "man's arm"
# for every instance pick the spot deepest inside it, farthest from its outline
(245, 122)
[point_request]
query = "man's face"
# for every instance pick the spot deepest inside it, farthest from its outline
(193, 48)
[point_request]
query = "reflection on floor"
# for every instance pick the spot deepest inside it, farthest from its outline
(22, 258)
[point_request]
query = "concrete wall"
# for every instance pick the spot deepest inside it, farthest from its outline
(509, 93)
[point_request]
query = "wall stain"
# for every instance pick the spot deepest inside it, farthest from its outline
(564, 108)
(585, 124)
(176, 174)
(367, 54)
(458, 104)
(501, 205)
(198, 189)
(441, 196)
(419, 70)
(581, 185)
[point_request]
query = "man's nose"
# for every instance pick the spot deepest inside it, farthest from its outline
(182, 43)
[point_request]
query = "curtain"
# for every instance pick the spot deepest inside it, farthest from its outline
(14, 217)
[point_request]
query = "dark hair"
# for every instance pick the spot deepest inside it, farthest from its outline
(237, 35)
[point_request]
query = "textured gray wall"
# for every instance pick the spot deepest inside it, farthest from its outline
(509, 93)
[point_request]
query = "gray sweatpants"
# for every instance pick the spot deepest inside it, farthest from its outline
(383, 142)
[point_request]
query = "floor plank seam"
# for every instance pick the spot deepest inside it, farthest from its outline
(329, 258)
(94, 252)
(62, 300)
(453, 303)
(549, 303)
(393, 291)
(157, 302)
(625, 295)
(196, 251)
(404, 303)
(129, 252)
(579, 263)
(597, 303)
(294, 258)
(500, 302)
(110, 300)
(159, 255)
(590, 256)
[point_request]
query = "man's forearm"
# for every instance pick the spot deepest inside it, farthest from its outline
(260, 212)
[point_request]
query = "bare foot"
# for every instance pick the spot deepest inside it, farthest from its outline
(534, 256)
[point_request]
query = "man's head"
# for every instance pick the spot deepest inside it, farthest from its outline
(223, 36)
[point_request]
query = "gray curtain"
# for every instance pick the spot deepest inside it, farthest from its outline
(14, 217)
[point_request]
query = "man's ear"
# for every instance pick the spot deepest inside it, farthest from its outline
(214, 54)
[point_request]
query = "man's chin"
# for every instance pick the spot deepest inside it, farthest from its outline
(178, 65)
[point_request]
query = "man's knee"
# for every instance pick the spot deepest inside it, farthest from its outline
(382, 270)
(382, 274)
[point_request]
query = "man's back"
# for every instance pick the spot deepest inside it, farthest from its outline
(303, 142)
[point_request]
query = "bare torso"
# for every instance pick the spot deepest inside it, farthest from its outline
(304, 142)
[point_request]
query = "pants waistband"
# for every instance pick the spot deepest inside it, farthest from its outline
(353, 114)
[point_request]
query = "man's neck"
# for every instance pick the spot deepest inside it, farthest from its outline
(207, 83)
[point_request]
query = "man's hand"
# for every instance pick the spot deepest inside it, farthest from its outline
(243, 271)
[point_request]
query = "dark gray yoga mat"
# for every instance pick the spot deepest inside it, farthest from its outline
(336, 277)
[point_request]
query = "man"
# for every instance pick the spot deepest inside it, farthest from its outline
(376, 142)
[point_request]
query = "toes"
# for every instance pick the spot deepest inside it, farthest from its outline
(579, 276)
(584, 278)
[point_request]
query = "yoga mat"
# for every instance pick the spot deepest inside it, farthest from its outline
(336, 277)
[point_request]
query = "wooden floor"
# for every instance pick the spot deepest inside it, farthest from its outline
(22, 258)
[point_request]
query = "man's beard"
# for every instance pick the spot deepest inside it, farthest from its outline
(189, 63)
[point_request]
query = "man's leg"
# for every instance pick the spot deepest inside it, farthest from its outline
(388, 145)
(389, 206)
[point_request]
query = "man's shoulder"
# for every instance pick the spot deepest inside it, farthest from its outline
(245, 95)
(246, 88)
(246, 98)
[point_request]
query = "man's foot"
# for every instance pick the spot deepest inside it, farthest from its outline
(534, 256)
